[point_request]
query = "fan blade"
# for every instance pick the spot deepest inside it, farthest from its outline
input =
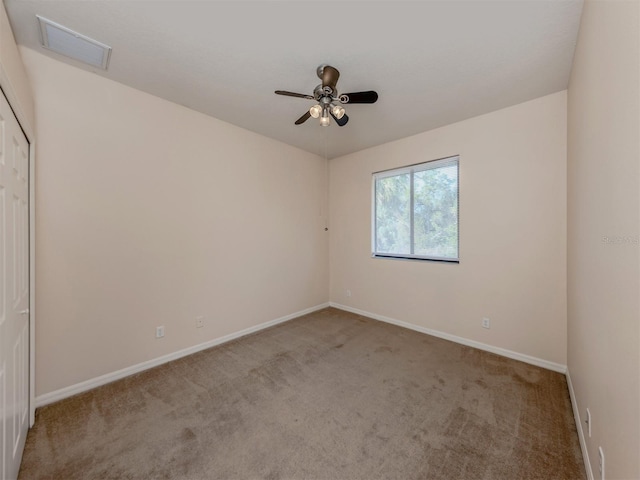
(359, 97)
(330, 77)
(293, 94)
(341, 121)
(303, 118)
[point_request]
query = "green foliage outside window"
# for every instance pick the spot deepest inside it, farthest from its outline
(416, 211)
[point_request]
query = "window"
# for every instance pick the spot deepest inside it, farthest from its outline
(415, 211)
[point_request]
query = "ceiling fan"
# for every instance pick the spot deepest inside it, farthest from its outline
(328, 100)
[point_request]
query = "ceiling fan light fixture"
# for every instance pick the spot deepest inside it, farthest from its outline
(337, 111)
(315, 111)
(325, 120)
(325, 95)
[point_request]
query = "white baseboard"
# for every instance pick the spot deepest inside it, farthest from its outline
(556, 367)
(125, 372)
(576, 416)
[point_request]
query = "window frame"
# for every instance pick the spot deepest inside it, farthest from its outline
(411, 170)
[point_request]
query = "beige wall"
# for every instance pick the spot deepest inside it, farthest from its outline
(604, 201)
(152, 214)
(13, 77)
(512, 233)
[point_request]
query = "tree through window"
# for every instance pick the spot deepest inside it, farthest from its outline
(416, 211)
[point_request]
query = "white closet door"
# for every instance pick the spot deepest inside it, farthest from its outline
(14, 291)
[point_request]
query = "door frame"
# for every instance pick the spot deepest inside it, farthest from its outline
(10, 93)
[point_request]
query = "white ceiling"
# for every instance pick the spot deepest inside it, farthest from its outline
(432, 62)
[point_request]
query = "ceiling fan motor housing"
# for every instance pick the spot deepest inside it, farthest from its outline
(319, 92)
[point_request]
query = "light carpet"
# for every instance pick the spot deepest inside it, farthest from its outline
(330, 395)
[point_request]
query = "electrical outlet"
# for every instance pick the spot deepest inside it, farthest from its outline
(348, 293)
(199, 321)
(486, 323)
(601, 462)
(159, 332)
(588, 422)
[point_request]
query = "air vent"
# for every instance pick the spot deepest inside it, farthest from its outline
(74, 45)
